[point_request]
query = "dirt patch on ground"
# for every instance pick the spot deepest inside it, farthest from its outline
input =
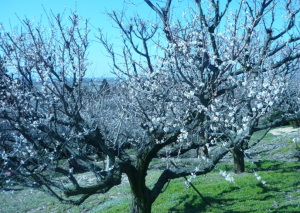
(284, 130)
(281, 147)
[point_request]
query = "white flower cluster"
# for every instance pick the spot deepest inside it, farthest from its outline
(259, 178)
(296, 140)
(190, 179)
(189, 94)
(183, 135)
(227, 176)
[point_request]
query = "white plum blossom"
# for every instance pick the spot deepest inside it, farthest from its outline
(183, 135)
(227, 176)
(259, 106)
(259, 178)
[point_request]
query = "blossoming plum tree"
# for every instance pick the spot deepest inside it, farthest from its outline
(51, 119)
(208, 77)
(202, 80)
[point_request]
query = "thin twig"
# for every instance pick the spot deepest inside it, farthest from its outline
(192, 185)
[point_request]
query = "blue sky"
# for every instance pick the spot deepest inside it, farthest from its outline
(94, 10)
(88, 9)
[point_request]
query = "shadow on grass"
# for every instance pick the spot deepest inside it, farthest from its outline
(293, 208)
(262, 201)
(193, 205)
(7, 189)
(274, 166)
(266, 189)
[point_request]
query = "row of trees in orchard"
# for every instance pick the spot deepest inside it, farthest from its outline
(214, 74)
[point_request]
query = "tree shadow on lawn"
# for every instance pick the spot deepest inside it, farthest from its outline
(296, 208)
(7, 189)
(267, 165)
(195, 204)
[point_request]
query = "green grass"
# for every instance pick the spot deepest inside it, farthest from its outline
(257, 135)
(286, 149)
(246, 194)
(281, 193)
(35, 201)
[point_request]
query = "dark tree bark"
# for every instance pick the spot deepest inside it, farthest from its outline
(77, 167)
(238, 160)
(141, 200)
(295, 124)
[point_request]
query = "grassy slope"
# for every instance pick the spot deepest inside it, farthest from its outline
(281, 193)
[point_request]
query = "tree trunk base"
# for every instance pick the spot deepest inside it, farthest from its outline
(141, 204)
(239, 161)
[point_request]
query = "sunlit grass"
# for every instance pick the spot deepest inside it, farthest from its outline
(281, 193)
(246, 194)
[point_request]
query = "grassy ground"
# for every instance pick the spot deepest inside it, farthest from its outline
(271, 160)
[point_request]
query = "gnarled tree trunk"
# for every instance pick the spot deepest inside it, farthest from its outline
(141, 194)
(238, 160)
(141, 203)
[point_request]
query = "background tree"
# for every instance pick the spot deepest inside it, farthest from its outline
(293, 96)
(214, 74)
(54, 116)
